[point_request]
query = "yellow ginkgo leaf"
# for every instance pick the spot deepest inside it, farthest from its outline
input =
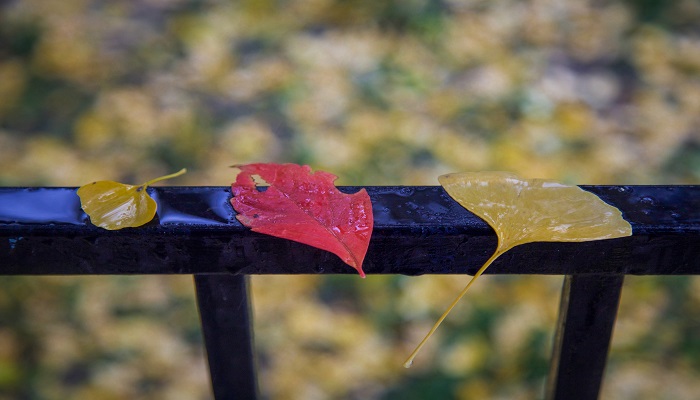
(113, 205)
(524, 211)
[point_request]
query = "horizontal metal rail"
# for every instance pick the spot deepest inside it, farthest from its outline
(418, 230)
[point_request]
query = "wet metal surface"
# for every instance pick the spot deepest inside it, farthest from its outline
(226, 316)
(418, 230)
(587, 315)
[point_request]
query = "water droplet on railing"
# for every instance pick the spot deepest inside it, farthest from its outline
(406, 191)
(647, 200)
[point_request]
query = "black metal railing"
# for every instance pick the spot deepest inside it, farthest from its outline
(418, 230)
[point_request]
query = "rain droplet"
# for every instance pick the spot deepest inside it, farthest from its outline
(647, 200)
(406, 191)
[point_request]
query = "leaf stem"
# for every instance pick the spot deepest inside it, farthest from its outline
(162, 178)
(499, 251)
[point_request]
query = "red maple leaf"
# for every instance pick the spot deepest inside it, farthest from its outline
(306, 207)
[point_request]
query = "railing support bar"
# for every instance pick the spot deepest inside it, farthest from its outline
(584, 329)
(225, 312)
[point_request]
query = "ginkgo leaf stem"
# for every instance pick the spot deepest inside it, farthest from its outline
(162, 178)
(499, 251)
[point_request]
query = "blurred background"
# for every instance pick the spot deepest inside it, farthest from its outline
(379, 93)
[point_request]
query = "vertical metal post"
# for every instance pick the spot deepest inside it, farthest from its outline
(586, 319)
(225, 313)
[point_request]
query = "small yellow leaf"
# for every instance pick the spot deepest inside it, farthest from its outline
(525, 211)
(113, 205)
